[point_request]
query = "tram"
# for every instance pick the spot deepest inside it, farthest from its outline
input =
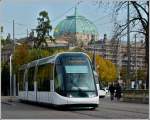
(65, 79)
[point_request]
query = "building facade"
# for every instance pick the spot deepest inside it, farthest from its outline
(116, 51)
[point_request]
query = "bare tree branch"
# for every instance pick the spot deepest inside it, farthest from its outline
(139, 14)
(141, 7)
(119, 32)
(134, 19)
(120, 5)
(139, 32)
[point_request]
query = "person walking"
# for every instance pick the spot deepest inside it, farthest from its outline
(112, 90)
(118, 91)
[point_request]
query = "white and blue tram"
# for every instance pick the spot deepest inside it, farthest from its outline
(65, 79)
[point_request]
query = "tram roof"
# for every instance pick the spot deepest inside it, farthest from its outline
(49, 59)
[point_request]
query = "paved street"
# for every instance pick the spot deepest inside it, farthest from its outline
(107, 110)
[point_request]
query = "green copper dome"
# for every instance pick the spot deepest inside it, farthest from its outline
(75, 24)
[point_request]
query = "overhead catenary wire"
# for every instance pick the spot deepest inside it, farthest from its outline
(66, 12)
(102, 17)
(20, 33)
(20, 24)
(62, 14)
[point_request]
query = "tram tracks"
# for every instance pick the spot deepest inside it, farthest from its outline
(103, 112)
(117, 109)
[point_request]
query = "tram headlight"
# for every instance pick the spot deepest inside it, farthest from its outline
(92, 95)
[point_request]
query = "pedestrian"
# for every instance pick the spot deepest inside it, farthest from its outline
(111, 90)
(118, 91)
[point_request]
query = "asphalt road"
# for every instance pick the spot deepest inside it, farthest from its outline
(107, 110)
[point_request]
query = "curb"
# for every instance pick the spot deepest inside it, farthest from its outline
(8, 99)
(7, 103)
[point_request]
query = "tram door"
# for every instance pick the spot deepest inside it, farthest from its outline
(51, 93)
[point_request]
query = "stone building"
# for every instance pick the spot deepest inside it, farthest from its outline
(116, 51)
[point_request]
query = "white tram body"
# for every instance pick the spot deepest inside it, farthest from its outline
(64, 79)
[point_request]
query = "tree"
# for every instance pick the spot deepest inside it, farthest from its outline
(3, 41)
(43, 29)
(7, 40)
(23, 54)
(123, 73)
(20, 56)
(141, 74)
(35, 54)
(141, 17)
(105, 69)
(5, 79)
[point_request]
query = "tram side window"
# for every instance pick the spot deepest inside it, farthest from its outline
(21, 81)
(31, 79)
(58, 79)
(44, 75)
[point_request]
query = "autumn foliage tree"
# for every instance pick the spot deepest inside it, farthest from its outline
(20, 56)
(23, 54)
(123, 73)
(141, 75)
(106, 69)
(35, 54)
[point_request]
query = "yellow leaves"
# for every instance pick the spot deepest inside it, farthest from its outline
(37, 53)
(21, 54)
(105, 68)
(111, 71)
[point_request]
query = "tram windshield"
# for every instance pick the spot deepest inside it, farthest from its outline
(74, 74)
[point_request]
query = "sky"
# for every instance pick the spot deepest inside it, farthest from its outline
(25, 13)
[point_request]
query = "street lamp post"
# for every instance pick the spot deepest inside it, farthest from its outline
(128, 46)
(119, 58)
(12, 76)
(136, 66)
(10, 70)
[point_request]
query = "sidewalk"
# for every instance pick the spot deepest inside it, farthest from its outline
(8, 99)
